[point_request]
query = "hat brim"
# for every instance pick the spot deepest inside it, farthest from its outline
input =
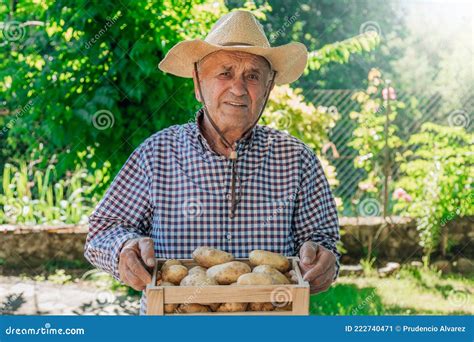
(288, 60)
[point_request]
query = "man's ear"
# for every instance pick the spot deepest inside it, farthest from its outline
(196, 89)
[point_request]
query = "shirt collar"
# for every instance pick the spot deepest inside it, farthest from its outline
(242, 144)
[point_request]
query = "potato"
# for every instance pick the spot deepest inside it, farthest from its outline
(278, 277)
(255, 279)
(197, 269)
(287, 307)
(169, 263)
(229, 272)
(198, 279)
(214, 306)
(232, 307)
(167, 283)
(192, 308)
(260, 257)
(174, 273)
(267, 306)
(208, 257)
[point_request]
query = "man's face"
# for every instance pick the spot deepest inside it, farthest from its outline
(233, 85)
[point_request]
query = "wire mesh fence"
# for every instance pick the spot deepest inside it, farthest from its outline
(429, 108)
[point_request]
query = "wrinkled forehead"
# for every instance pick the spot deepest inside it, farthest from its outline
(234, 59)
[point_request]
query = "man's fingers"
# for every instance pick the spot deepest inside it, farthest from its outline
(327, 277)
(136, 267)
(130, 279)
(308, 252)
(316, 275)
(314, 288)
(319, 288)
(324, 263)
(147, 251)
(133, 281)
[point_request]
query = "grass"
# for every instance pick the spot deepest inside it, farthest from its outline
(411, 292)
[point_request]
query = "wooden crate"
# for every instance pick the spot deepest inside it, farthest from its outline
(158, 296)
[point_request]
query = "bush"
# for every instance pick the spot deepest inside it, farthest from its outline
(437, 177)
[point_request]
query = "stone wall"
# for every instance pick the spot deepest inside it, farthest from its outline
(396, 240)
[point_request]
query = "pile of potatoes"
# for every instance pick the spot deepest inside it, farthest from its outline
(216, 267)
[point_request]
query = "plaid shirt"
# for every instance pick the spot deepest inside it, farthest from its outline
(176, 189)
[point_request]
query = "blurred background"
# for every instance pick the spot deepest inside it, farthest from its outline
(386, 103)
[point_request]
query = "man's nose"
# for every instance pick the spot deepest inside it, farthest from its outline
(238, 88)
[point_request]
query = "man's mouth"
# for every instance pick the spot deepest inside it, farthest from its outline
(236, 104)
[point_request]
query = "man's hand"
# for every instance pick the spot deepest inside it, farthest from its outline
(135, 257)
(318, 265)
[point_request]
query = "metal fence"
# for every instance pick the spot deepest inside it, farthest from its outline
(429, 109)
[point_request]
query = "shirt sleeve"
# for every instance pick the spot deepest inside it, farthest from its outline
(315, 215)
(123, 213)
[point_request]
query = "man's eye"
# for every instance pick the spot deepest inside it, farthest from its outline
(225, 73)
(253, 77)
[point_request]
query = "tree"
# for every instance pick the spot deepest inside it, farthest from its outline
(87, 75)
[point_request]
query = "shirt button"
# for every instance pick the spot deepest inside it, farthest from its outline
(228, 236)
(228, 196)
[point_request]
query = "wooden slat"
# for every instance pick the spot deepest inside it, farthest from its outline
(155, 302)
(297, 270)
(245, 313)
(155, 273)
(221, 293)
(300, 301)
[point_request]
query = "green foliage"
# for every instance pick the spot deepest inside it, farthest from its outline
(87, 75)
(340, 52)
(319, 24)
(437, 173)
(375, 137)
(34, 196)
(81, 84)
(287, 110)
(368, 266)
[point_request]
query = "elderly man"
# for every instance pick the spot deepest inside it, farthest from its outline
(223, 181)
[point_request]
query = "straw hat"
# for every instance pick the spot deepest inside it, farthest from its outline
(237, 31)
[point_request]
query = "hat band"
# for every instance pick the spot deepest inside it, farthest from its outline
(236, 44)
